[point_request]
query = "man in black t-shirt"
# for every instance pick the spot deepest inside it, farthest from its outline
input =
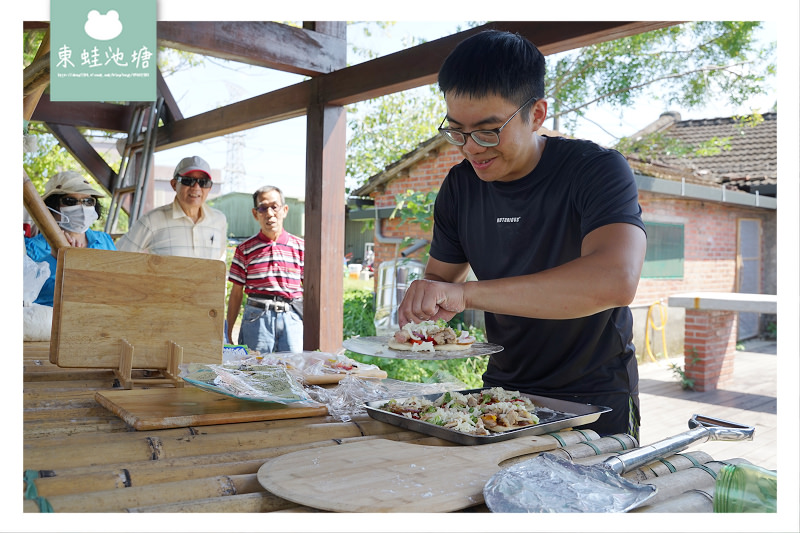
(552, 229)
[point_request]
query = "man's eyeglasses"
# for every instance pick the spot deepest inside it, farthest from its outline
(263, 208)
(70, 201)
(204, 183)
(482, 137)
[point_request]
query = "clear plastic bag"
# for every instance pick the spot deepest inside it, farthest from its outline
(34, 276)
(348, 398)
(264, 383)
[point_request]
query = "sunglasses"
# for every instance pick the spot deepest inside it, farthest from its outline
(69, 201)
(205, 183)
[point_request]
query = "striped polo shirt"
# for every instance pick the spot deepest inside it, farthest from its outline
(269, 268)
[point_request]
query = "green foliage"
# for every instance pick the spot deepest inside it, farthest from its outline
(415, 207)
(650, 147)
(359, 312)
(772, 329)
(686, 382)
(49, 159)
(385, 128)
(687, 65)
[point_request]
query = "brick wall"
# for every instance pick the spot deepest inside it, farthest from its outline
(710, 239)
(710, 244)
(426, 175)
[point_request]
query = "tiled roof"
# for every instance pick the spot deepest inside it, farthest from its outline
(749, 165)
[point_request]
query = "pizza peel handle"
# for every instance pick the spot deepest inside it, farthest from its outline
(388, 476)
(548, 483)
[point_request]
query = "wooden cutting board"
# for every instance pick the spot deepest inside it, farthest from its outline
(147, 409)
(104, 296)
(390, 476)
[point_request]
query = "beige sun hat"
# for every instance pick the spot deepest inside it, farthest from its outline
(70, 182)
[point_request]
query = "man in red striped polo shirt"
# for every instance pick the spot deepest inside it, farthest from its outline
(268, 268)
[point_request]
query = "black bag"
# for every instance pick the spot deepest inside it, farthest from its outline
(297, 306)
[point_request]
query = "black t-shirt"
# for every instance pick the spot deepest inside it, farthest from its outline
(533, 224)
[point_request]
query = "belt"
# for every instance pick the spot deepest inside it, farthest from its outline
(278, 303)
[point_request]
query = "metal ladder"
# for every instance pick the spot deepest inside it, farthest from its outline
(135, 168)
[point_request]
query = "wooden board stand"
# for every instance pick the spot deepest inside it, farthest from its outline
(105, 299)
(168, 376)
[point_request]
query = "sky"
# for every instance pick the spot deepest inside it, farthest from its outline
(279, 163)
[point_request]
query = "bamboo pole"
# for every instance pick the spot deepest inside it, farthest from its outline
(157, 448)
(30, 196)
(366, 427)
(42, 400)
(254, 502)
(153, 473)
(89, 413)
(177, 491)
(693, 478)
(62, 386)
(50, 374)
(41, 215)
(604, 445)
(691, 501)
(53, 429)
(671, 464)
(107, 477)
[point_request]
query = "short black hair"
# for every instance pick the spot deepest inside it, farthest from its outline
(495, 62)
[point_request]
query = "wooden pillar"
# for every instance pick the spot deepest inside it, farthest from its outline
(709, 347)
(325, 211)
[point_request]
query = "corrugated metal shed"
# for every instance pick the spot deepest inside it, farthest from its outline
(238, 208)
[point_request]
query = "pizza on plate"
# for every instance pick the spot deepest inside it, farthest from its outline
(431, 336)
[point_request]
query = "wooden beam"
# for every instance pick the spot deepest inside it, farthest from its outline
(325, 215)
(172, 112)
(418, 66)
(95, 115)
(83, 152)
(264, 44)
(400, 71)
(282, 104)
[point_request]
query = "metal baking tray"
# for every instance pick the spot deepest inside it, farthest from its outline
(554, 415)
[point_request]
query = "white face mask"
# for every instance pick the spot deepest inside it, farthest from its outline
(77, 218)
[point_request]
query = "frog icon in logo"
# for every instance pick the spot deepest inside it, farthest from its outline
(103, 27)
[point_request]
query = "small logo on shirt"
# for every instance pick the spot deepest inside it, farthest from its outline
(508, 219)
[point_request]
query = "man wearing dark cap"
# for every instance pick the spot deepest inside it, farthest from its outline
(186, 227)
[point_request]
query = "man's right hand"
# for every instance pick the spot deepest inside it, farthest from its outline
(430, 300)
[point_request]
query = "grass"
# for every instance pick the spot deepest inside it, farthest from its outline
(359, 313)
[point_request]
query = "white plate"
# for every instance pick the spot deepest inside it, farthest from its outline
(379, 347)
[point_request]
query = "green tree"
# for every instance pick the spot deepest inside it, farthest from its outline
(385, 128)
(688, 66)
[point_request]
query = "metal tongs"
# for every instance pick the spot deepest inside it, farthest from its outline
(548, 483)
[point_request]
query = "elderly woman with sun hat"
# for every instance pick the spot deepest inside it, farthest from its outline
(73, 202)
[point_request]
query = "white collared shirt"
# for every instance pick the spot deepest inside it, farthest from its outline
(167, 230)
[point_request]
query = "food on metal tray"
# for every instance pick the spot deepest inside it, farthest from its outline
(475, 413)
(431, 336)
